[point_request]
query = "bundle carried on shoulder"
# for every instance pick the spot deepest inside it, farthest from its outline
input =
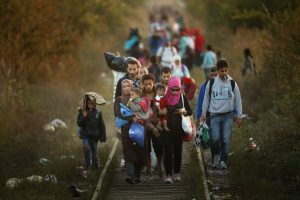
(93, 96)
(115, 62)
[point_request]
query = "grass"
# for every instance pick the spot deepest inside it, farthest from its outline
(24, 142)
(194, 177)
(272, 172)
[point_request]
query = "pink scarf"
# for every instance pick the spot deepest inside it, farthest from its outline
(173, 99)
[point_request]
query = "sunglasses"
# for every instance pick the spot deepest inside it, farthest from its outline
(175, 89)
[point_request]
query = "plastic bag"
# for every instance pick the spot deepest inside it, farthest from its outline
(202, 136)
(186, 124)
(188, 138)
(136, 133)
(120, 122)
(125, 111)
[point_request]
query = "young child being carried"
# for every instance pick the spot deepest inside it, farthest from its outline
(161, 104)
(141, 108)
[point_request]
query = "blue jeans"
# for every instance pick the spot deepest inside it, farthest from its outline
(221, 132)
(89, 148)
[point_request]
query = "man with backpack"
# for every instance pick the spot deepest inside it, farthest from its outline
(166, 53)
(222, 96)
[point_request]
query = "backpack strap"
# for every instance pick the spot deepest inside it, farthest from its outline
(232, 82)
(172, 50)
(211, 82)
(162, 51)
(182, 69)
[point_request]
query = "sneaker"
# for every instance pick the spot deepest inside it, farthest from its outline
(223, 165)
(75, 191)
(168, 180)
(85, 173)
(177, 178)
(144, 170)
(137, 181)
(216, 161)
(130, 180)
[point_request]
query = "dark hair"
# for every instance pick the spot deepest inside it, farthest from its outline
(153, 59)
(247, 52)
(137, 91)
(213, 69)
(160, 86)
(133, 61)
(166, 70)
(221, 64)
(209, 47)
(148, 77)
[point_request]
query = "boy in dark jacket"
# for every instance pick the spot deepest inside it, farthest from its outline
(91, 130)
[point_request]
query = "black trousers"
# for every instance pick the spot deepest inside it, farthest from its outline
(172, 146)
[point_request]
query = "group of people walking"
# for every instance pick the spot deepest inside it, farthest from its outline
(156, 97)
(163, 129)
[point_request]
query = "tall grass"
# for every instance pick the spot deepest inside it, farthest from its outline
(271, 98)
(62, 77)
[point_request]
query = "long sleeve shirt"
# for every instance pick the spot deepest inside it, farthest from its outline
(209, 60)
(200, 100)
(222, 99)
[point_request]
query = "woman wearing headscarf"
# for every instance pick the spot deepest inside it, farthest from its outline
(179, 69)
(172, 140)
(135, 156)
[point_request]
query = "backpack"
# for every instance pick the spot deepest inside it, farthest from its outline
(163, 49)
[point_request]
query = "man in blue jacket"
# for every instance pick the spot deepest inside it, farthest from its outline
(213, 73)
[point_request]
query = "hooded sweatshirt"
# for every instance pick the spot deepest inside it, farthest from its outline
(222, 99)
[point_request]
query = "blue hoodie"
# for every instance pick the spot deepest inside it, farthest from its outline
(200, 100)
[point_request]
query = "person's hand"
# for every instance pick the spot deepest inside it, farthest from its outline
(134, 119)
(156, 132)
(84, 113)
(163, 111)
(197, 122)
(238, 121)
(203, 118)
(180, 111)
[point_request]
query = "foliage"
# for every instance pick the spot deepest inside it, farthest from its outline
(39, 39)
(249, 13)
(271, 98)
(50, 53)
